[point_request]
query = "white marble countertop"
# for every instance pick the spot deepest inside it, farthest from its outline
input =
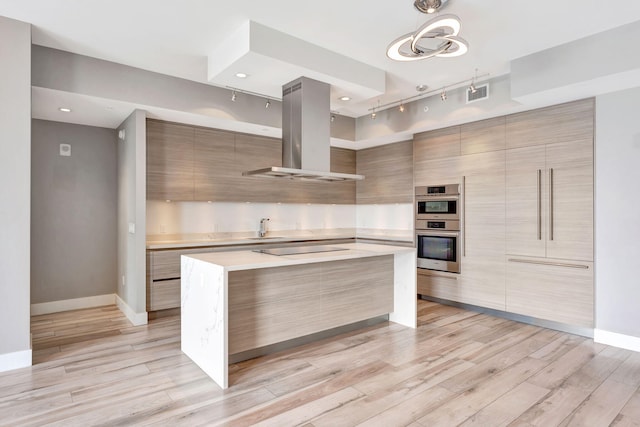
(248, 260)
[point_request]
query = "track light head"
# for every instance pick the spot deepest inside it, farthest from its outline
(267, 104)
(234, 96)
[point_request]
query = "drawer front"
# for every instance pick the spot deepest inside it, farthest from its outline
(438, 286)
(165, 265)
(164, 294)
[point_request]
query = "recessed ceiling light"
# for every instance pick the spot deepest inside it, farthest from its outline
(64, 109)
(345, 98)
(421, 88)
(242, 75)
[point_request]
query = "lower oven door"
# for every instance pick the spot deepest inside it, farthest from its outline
(438, 250)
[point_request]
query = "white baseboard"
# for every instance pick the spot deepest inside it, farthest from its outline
(72, 304)
(136, 318)
(627, 342)
(16, 360)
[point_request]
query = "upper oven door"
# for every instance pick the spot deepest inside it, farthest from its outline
(437, 208)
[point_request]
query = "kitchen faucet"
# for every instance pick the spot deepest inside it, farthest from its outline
(263, 227)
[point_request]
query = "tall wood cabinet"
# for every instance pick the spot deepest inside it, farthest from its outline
(480, 173)
(549, 212)
(527, 222)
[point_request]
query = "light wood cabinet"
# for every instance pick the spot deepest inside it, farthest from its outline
(526, 202)
(482, 277)
(437, 144)
(388, 172)
(170, 161)
(214, 164)
(556, 290)
(483, 136)
(570, 122)
(550, 201)
(570, 171)
(193, 163)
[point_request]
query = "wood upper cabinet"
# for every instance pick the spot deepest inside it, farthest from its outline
(214, 163)
(436, 144)
(170, 161)
(570, 122)
(343, 160)
(388, 172)
(483, 136)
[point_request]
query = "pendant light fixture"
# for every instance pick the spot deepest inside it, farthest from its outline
(437, 37)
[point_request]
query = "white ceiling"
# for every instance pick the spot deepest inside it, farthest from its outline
(177, 37)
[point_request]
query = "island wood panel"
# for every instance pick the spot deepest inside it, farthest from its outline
(164, 294)
(562, 293)
(526, 213)
(482, 277)
(483, 136)
(437, 144)
(570, 216)
(388, 171)
(214, 164)
(170, 161)
(271, 305)
(570, 122)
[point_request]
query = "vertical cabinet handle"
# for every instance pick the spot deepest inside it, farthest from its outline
(550, 203)
(539, 204)
(464, 216)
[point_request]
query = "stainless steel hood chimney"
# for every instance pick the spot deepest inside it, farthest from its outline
(306, 132)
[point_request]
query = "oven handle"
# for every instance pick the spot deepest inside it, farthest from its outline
(423, 198)
(438, 233)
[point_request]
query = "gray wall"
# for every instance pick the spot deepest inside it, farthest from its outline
(617, 205)
(132, 211)
(15, 179)
(73, 200)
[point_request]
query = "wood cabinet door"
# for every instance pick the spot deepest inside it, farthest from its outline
(570, 122)
(526, 201)
(560, 292)
(482, 276)
(170, 159)
(436, 144)
(483, 136)
(214, 164)
(388, 171)
(570, 201)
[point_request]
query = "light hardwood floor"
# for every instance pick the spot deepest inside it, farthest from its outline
(458, 368)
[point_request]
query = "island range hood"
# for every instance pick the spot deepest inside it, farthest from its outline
(306, 133)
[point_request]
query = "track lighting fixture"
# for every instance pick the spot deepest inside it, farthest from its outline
(443, 95)
(333, 118)
(472, 86)
(267, 104)
(373, 115)
(401, 108)
(234, 96)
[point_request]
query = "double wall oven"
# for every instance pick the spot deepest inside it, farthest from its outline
(438, 227)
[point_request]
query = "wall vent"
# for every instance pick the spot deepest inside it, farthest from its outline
(482, 92)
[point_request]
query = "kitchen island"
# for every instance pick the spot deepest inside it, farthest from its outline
(235, 302)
